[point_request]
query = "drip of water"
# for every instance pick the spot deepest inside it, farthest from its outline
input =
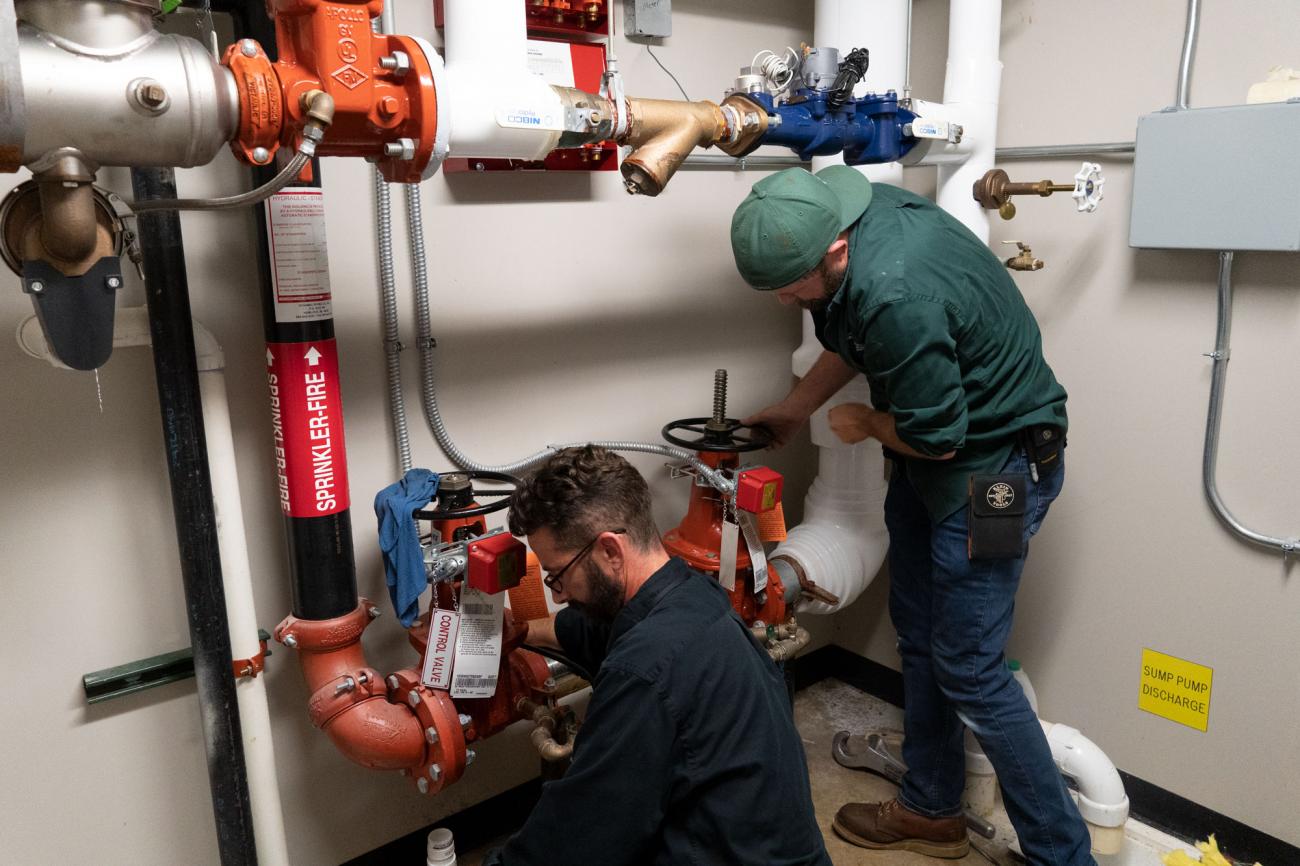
(99, 392)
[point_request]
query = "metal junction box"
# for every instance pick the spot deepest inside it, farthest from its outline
(1218, 179)
(651, 18)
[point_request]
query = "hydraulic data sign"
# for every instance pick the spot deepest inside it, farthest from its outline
(307, 425)
(1175, 689)
(300, 274)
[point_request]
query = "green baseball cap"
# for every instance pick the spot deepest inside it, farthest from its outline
(784, 226)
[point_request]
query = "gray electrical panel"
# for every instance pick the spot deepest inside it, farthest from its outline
(653, 18)
(1218, 179)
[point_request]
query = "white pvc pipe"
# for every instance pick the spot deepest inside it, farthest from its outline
(1100, 796)
(498, 108)
(971, 91)
(131, 328)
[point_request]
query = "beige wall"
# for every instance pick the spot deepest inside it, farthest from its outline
(563, 308)
(1132, 556)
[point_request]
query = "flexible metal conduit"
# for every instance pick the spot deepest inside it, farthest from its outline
(1218, 378)
(388, 293)
(1189, 49)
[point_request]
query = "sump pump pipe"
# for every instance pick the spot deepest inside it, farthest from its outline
(131, 328)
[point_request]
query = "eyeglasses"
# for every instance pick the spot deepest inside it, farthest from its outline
(552, 580)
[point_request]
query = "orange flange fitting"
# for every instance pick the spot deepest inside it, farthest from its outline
(384, 87)
(261, 104)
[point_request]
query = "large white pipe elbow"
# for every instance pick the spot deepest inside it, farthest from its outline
(498, 108)
(1101, 796)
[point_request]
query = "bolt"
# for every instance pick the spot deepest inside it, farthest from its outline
(36, 286)
(761, 598)
(347, 685)
(594, 118)
(413, 698)
(388, 106)
(464, 720)
(374, 612)
(151, 94)
(248, 48)
(398, 63)
(423, 785)
(261, 155)
(469, 757)
(549, 684)
(113, 282)
(430, 736)
(290, 641)
(719, 396)
(393, 683)
(403, 149)
(478, 166)
(404, 772)
(435, 772)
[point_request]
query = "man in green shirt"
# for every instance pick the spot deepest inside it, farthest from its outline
(974, 422)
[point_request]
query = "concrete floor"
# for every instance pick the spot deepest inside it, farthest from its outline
(830, 706)
(820, 711)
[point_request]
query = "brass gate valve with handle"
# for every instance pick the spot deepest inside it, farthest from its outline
(994, 190)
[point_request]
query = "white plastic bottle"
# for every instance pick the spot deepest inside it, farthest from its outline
(442, 848)
(1021, 677)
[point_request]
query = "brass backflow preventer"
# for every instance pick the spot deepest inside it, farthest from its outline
(994, 190)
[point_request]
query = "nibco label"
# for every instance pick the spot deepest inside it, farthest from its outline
(307, 427)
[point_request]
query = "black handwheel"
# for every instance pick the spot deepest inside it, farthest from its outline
(717, 436)
(457, 495)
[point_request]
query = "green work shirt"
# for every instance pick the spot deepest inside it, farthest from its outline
(947, 343)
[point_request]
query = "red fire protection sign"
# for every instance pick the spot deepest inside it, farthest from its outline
(307, 424)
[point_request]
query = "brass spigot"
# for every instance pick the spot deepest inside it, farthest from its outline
(994, 191)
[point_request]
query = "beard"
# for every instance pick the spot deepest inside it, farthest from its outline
(832, 279)
(606, 596)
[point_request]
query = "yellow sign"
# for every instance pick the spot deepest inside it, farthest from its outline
(1175, 689)
(769, 496)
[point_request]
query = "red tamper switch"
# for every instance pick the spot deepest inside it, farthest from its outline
(496, 563)
(758, 490)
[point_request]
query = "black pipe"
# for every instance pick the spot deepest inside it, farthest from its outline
(176, 370)
(322, 565)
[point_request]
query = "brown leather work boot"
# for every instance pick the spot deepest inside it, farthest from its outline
(891, 825)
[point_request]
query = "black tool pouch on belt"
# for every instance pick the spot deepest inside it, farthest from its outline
(997, 516)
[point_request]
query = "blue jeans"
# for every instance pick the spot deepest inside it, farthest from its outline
(953, 617)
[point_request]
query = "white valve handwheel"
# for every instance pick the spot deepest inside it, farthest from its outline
(1088, 186)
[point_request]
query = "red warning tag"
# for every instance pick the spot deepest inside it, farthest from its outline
(307, 425)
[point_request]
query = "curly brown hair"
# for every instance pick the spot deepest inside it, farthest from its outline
(581, 492)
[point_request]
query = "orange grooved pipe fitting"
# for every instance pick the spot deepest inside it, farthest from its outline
(349, 699)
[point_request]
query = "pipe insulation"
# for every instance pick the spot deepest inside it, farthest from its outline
(842, 542)
(498, 108)
(971, 92)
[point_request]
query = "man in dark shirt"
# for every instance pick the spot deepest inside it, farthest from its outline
(974, 422)
(688, 753)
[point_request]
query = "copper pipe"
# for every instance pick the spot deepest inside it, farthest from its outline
(543, 735)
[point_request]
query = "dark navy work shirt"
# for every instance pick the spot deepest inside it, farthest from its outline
(688, 754)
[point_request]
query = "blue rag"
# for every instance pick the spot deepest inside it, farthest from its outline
(399, 540)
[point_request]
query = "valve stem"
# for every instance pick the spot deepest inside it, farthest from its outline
(719, 396)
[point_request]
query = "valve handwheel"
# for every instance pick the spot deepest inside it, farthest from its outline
(1088, 186)
(457, 495)
(717, 436)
